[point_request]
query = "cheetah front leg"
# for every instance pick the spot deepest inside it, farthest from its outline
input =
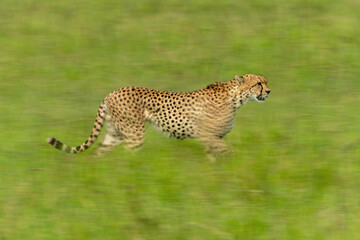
(213, 146)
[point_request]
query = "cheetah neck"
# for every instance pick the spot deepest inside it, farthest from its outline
(241, 98)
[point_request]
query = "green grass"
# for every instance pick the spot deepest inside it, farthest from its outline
(294, 172)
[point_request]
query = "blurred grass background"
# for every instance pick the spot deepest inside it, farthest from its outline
(294, 170)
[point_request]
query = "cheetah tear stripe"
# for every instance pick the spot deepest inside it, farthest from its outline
(99, 122)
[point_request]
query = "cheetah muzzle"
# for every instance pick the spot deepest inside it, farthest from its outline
(206, 114)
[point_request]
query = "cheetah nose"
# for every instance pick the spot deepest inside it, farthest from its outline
(267, 91)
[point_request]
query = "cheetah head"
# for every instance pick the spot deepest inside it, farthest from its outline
(255, 86)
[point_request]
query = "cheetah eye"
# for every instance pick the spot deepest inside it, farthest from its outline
(259, 83)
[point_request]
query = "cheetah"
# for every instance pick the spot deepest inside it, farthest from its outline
(206, 114)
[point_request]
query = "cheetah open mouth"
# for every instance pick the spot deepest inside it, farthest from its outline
(260, 98)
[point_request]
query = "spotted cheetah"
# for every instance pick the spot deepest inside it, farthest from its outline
(206, 114)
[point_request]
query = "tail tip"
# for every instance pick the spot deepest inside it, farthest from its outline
(51, 140)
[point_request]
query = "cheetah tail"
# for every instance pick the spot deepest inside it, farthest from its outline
(99, 122)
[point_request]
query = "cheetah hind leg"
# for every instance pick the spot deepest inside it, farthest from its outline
(134, 137)
(112, 139)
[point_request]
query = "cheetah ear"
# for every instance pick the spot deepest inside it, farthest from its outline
(240, 79)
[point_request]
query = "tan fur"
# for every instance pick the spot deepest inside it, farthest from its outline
(206, 114)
